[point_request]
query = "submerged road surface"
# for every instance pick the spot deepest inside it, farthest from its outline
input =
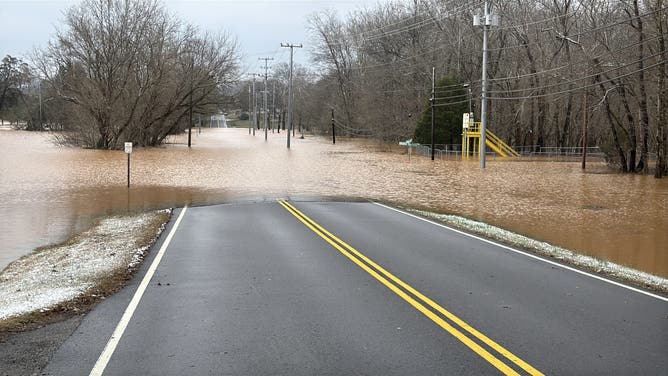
(317, 288)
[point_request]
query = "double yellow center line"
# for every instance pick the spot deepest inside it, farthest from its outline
(457, 327)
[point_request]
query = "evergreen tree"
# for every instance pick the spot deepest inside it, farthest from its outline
(451, 102)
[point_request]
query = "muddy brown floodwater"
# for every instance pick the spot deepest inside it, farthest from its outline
(49, 192)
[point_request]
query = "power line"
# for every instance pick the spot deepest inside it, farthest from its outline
(468, 54)
(423, 22)
(511, 27)
(353, 131)
(576, 63)
(411, 27)
(430, 51)
(453, 103)
(642, 15)
(579, 78)
(580, 88)
(572, 65)
(580, 33)
(264, 116)
(291, 47)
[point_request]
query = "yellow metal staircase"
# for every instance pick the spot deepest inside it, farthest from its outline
(471, 131)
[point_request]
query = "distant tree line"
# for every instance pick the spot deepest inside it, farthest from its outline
(120, 71)
(544, 59)
(19, 96)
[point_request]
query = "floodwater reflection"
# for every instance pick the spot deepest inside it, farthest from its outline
(49, 192)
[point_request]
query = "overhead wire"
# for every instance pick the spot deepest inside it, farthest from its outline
(577, 34)
(510, 27)
(572, 64)
(648, 57)
(546, 71)
(461, 9)
(451, 103)
(516, 77)
(575, 89)
(466, 54)
(642, 15)
(411, 27)
(353, 131)
(428, 21)
(273, 54)
(580, 88)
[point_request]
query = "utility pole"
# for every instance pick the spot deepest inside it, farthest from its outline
(190, 117)
(585, 117)
(291, 46)
(266, 59)
(333, 129)
(487, 21)
(39, 84)
(254, 106)
(432, 100)
(249, 108)
(273, 104)
(468, 86)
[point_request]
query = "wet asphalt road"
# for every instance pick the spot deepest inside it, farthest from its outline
(252, 289)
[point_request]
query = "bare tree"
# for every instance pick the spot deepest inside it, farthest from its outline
(546, 57)
(132, 71)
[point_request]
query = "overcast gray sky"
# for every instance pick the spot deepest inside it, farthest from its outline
(260, 26)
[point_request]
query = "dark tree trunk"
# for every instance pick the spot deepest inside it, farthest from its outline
(661, 165)
(566, 130)
(615, 138)
(631, 124)
(543, 108)
(644, 114)
(283, 119)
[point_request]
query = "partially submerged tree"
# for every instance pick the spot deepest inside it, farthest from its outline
(15, 78)
(128, 71)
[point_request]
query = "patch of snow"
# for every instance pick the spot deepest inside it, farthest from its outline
(58, 274)
(588, 262)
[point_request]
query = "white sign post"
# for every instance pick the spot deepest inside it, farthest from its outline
(408, 144)
(128, 151)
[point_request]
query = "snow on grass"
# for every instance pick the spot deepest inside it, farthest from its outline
(587, 262)
(58, 274)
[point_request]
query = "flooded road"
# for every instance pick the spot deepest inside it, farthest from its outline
(49, 192)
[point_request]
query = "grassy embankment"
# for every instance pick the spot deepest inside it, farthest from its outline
(56, 282)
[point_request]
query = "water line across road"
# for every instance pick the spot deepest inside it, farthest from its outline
(268, 288)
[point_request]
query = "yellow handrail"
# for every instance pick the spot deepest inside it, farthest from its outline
(492, 140)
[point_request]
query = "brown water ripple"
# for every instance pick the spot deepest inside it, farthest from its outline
(48, 192)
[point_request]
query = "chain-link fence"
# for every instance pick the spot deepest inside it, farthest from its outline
(443, 151)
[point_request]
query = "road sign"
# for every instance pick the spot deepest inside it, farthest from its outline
(466, 118)
(128, 151)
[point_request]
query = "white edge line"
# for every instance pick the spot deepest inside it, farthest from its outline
(109, 349)
(526, 254)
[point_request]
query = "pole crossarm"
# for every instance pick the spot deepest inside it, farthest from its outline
(292, 47)
(264, 94)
